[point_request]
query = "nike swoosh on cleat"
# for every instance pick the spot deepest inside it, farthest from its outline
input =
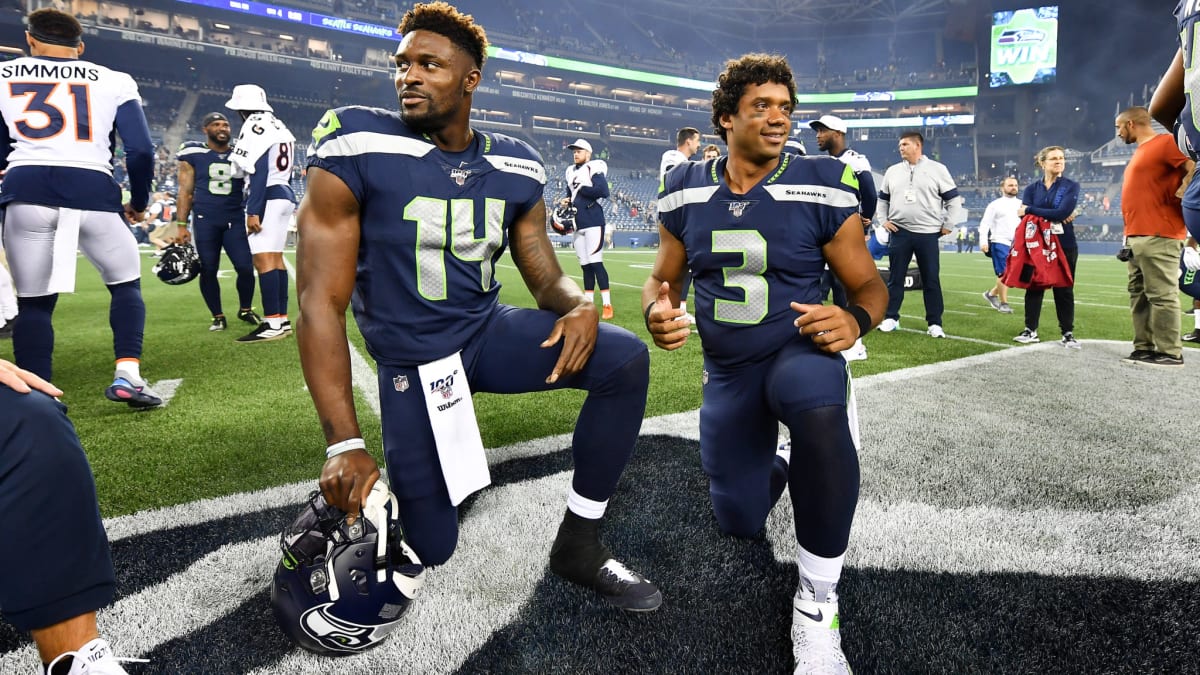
(818, 617)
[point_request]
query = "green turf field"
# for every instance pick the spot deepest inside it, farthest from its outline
(240, 418)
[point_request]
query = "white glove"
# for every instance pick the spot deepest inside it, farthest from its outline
(1191, 259)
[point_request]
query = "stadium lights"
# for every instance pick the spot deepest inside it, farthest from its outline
(222, 26)
(283, 36)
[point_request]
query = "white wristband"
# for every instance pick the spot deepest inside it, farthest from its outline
(345, 446)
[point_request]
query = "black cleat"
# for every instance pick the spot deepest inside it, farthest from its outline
(577, 555)
(624, 588)
(264, 333)
(249, 317)
(218, 323)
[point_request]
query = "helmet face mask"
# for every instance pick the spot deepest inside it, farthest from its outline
(178, 265)
(341, 588)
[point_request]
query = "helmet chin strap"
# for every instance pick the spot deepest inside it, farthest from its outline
(375, 510)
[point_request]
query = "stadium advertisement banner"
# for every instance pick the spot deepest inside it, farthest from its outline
(1024, 46)
(236, 52)
(301, 16)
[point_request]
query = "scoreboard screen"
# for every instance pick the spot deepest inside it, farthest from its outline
(1024, 46)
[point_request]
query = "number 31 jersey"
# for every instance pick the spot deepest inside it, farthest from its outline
(57, 139)
(433, 224)
(753, 254)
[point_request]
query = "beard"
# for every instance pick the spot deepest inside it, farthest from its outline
(434, 117)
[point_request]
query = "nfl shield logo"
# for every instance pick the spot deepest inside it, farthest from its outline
(738, 208)
(460, 176)
(400, 382)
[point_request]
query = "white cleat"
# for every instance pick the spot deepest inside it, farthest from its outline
(816, 641)
(856, 353)
(889, 325)
(94, 658)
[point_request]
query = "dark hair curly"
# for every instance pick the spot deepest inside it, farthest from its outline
(53, 23)
(445, 19)
(742, 72)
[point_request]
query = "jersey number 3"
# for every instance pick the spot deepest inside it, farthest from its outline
(38, 105)
(748, 276)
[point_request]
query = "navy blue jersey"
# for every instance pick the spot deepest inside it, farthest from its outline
(218, 196)
(753, 254)
(1187, 13)
(433, 225)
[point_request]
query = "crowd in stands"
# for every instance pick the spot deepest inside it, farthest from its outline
(562, 29)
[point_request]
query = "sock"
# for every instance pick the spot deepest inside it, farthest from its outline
(127, 318)
(584, 507)
(33, 334)
(607, 299)
(275, 322)
(269, 291)
(577, 554)
(282, 275)
(1197, 318)
(131, 367)
(818, 575)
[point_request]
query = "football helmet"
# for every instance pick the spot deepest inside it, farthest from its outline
(178, 264)
(341, 588)
(563, 219)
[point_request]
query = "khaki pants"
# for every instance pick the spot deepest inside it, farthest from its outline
(1154, 294)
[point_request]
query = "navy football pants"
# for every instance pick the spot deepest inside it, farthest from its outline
(55, 563)
(210, 238)
(807, 390)
(505, 358)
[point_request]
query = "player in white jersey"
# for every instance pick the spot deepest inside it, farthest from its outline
(265, 151)
(586, 185)
(59, 194)
(687, 142)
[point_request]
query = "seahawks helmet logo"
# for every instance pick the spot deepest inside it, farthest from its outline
(339, 635)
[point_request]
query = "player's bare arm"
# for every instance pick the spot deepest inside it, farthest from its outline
(326, 264)
(186, 180)
(660, 294)
(1168, 99)
(556, 292)
(832, 328)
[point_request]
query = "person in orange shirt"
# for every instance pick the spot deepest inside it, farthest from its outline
(1154, 234)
